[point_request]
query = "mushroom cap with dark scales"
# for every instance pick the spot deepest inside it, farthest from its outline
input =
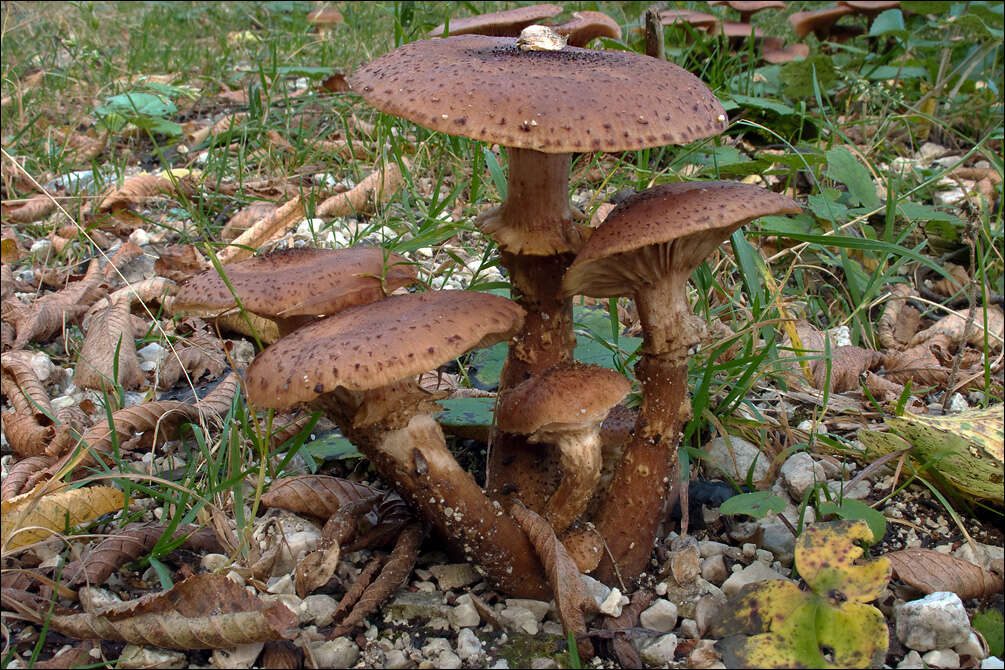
(573, 396)
(299, 282)
(507, 23)
(374, 345)
(566, 101)
(666, 229)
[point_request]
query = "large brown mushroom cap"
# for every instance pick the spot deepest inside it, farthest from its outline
(566, 101)
(299, 282)
(370, 346)
(507, 23)
(664, 229)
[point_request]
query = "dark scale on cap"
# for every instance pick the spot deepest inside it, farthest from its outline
(435, 82)
(446, 324)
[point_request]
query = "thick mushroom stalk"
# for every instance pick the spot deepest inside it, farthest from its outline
(359, 366)
(647, 247)
(581, 462)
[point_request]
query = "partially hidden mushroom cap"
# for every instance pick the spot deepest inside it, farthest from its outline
(699, 20)
(666, 229)
(793, 52)
(374, 345)
(299, 282)
(507, 23)
(747, 8)
(820, 21)
(566, 397)
(586, 26)
(566, 101)
(325, 17)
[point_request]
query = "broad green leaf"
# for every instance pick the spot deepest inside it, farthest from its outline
(842, 166)
(798, 77)
(757, 504)
(330, 447)
(855, 632)
(990, 624)
(890, 21)
(467, 412)
(763, 103)
(825, 206)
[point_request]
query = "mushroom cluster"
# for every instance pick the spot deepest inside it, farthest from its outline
(359, 363)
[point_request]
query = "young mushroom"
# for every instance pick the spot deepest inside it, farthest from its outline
(359, 367)
(543, 106)
(648, 247)
(295, 286)
(565, 406)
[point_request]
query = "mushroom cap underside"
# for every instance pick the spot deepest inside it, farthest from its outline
(565, 101)
(566, 397)
(664, 230)
(374, 345)
(299, 282)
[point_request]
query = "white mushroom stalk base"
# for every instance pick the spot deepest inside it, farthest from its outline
(581, 460)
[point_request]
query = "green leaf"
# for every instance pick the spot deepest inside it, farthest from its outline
(467, 412)
(763, 103)
(827, 559)
(330, 447)
(843, 167)
(989, 623)
(825, 206)
(757, 504)
(798, 77)
(487, 365)
(890, 21)
(856, 509)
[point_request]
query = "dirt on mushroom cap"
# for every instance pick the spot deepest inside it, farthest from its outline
(373, 345)
(563, 101)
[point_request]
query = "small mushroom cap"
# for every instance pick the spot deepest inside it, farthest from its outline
(299, 282)
(666, 229)
(819, 21)
(749, 7)
(572, 100)
(566, 397)
(507, 23)
(700, 20)
(793, 52)
(325, 17)
(370, 346)
(586, 26)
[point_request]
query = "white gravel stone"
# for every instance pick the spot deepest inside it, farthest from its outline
(318, 608)
(709, 548)
(800, 472)
(713, 569)
(937, 621)
(469, 647)
(281, 585)
(688, 629)
(614, 603)
(659, 652)
(341, 652)
(755, 572)
(519, 619)
(95, 597)
(660, 616)
(464, 614)
(911, 661)
(860, 490)
(454, 575)
(214, 562)
(538, 607)
(941, 658)
(972, 647)
(992, 663)
(241, 656)
(597, 589)
(736, 463)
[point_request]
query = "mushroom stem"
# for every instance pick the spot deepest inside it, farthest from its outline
(536, 212)
(581, 464)
(407, 448)
(632, 509)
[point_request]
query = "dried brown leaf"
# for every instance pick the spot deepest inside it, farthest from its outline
(627, 655)
(920, 365)
(140, 188)
(929, 571)
(73, 657)
(202, 612)
(22, 387)
(31, 518)
(25, 436)
(145, 291)
(949, 286)
(395, 573)
(178, 262)
(359, 586)
(899, 320)
(847, 363)
(263, 231)
(194, 361)
(33, 208)
(953, 326)
(19, 474)
(217, 402)
(315, 495)
(281, 655)
(109, 347)
(231, 121)
(245, 218)
(77, 147)
(317, 568)
(571, 597)
(335, 83)
(381, 185)
(128, 545)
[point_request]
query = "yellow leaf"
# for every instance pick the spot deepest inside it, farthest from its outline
(28, 518)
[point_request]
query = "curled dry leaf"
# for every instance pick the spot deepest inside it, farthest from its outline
(193, 361)
(178, 262)
(263, 231)
(847, 363)
(160, 419)
(315, 495)
(31, 518)
(244, 219)
(899, 320)
(33, 208)
(566, 583)
(108, 348)
(19, 474)
(359, 586)
(145, 291)
(25, 435)
(217, 402)
(395, 573)
(920, 364)
(129, 544)
(202, 612)
(953, 326)
(23, 388)
(381, 184)
(627, 655)
(142, 187)
(929, 571)
(231, 121)
(285, 427)
(957, 280)
(281, 655)
(79, 148)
